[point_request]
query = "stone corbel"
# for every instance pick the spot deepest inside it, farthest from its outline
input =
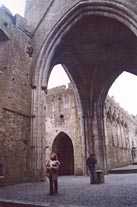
(29, 50)
(44, 88)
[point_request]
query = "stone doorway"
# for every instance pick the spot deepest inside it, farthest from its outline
(63, 146)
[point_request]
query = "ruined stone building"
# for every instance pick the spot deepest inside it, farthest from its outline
(121, 135)
(64, 135)
(95, 41)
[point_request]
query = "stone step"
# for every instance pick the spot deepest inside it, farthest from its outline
(123, 171)
(135, 163)
(10, 203)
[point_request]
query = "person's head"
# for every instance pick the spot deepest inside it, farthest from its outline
(53, 156)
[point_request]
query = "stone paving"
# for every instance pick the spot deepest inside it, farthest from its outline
(118, 191)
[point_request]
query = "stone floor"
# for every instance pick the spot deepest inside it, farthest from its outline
(118, 191)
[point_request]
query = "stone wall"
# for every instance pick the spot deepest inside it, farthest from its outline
(19, 71)
(62, 116)
(35, 11)
(43, 15)
(15, 98)
(120, 127)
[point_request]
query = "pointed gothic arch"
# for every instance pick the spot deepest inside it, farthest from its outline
(63, 146)
(117, 11)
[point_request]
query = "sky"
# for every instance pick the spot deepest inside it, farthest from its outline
(124, 89)
(58, 77)
(15, 6)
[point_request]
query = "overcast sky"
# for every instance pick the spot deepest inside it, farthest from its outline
(124, 88)
(15, 6)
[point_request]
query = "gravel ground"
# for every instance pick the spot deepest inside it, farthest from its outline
(118, 191)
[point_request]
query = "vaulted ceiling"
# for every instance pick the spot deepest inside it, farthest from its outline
(97, 49)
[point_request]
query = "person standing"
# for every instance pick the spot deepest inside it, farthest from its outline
(91, 164)
(53, 166)
(133, 154)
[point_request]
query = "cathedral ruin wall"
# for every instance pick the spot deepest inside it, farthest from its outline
(120, 127)
(15, 91)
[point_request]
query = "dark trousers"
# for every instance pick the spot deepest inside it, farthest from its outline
(92, 176)
(53, 185)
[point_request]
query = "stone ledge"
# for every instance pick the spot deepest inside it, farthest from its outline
(11, 203)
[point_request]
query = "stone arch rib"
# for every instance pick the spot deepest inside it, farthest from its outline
(115, 10)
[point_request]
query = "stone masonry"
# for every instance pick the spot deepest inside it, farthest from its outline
(62, 116)
(120, 128)
(121, 134)
(15, 90)
(95, 41)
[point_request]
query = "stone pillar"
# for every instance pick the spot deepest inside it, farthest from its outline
(94, 131)
(99, 138)
(34, 125)
(87, 122)
(38, 139)
(109, 140)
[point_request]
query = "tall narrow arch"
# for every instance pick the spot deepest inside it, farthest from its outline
(63, 146)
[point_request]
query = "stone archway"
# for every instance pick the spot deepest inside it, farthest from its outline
(63, 146)
(93, 64)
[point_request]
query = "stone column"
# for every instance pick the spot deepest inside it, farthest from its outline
(99, 136)
(38, 139)
(109, 140)
(94, 131)
(87, 122)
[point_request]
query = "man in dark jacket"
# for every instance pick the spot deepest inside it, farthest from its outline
(91, 164)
